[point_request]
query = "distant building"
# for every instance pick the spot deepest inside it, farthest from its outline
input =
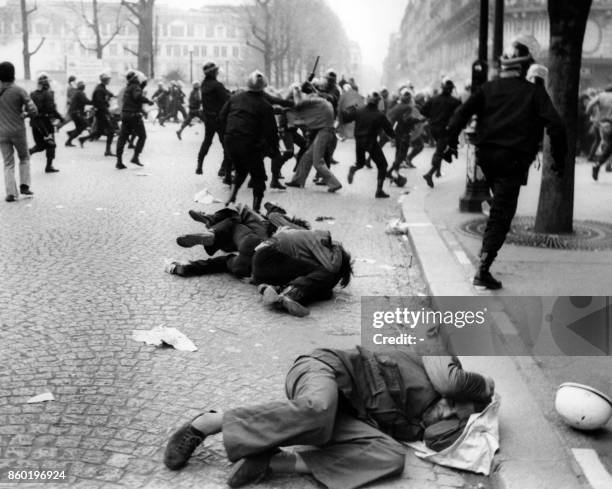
(440, 38)
(184, 40)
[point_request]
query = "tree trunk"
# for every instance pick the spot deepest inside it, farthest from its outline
(25, 35)
(145, 36)
(568, 20)
(96, 29)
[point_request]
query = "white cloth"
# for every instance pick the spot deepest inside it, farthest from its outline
(475, 448)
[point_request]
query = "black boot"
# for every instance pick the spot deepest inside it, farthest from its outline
(351, 174)
(276, 184)
(483, 277)
(380, 193)
(136, 160)
(120, 165)
(596, 168)
(49, 168)
(257, 203)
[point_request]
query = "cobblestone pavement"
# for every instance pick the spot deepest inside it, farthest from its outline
(82, 266)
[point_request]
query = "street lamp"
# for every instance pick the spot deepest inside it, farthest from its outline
(476, 187)
(191, 64)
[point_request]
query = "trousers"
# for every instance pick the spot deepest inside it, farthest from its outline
(211, 127)
(131, 124)
(8, 145)
(345, 452)
(315, 156)
(505, 171)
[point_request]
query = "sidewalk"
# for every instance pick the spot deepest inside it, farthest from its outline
(534, 452)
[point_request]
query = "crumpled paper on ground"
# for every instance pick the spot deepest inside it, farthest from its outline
(162, 334)
(475, 448)
(396, 226)
(45, 396)
(205, 197)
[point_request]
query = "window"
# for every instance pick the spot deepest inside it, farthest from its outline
(190, 30)
(216, 51)
(203, 51)
(177, 51)
(223, 52)
(220, 31)
(235, 52)
(209, 31)
(185, 51)
(112, 49)
(41, 29)
(196, 51)
(231, 31)
(177, 31)
(168, 50)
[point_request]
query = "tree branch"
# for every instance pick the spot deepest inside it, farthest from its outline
(131, 51)
(38, 47)
(251, 45)
(132, 8)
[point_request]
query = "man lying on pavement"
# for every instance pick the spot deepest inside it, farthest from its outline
(293, 265)
(352, 407)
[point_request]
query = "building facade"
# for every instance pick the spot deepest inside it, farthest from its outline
(184, 40)
(439, 38)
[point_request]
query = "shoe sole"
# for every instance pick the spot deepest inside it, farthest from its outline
(196, 216)
(191, 240)
(294, 308)
(478, 283)
(270, 296)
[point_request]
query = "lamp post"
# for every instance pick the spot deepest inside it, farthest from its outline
(498, 33)
(476, 187)
(191, 64)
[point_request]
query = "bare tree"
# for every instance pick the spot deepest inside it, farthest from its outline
(568, 20)
(142, 11)
(260, 26)
(25, 34)
(93, 23)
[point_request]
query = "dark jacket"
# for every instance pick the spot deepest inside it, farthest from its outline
(45, 104)
(100, 98)
(439, 110)
(392, 391)
(195, 100)
(214, 96)
(405, 116)
(512, 114)
(369, 121)
(249, 117)
(78, 103)
(133, 98)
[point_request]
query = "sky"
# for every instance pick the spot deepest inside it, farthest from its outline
(369, 22)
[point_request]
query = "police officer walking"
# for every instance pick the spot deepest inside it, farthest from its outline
(512, 114)
(214, 96)
(131, 121)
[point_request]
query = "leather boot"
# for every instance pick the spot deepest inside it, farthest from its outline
(483, 277)
(257, 203)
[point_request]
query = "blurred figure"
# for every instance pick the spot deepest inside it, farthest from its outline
(104, 125)
(14, 101)
(369, 122)
(43, 130)
(603, 103)
(77, 113)
(131, 121)
(214, 96)
(195, 108)
(439, 110)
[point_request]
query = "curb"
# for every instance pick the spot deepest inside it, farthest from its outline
(543, 462)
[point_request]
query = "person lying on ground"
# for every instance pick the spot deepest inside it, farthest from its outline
(234, 230)
(352, 408)
(293, 265)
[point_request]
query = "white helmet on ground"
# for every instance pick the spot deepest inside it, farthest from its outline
(583, 407)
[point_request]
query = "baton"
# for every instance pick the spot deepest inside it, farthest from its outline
(314, 69)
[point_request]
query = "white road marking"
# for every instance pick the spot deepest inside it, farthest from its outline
(593, 469)
(462, 257)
